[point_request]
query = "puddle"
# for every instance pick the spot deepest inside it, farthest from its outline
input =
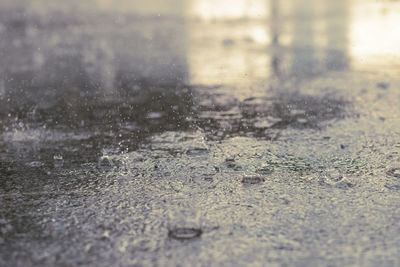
(271, 122)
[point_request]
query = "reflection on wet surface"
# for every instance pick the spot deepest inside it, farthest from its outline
(220, 132)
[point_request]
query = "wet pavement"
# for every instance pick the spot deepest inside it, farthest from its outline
(199, 133)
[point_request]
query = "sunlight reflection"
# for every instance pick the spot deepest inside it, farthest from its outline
(228, 52)
(228, 9)
(375, 32)
(237, 55)
(139, 7)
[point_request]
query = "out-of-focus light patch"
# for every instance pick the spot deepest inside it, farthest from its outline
(375, 32)
(228, 9)
(259, 34)
(227, 67)
(220, 55)
(224, 54)
(143, 8)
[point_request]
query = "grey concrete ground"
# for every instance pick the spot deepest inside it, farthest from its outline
(199, 133)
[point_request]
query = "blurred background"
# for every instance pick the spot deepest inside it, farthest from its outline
(112, 69)
(310, 83)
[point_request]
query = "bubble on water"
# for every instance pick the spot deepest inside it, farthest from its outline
(333, 176)
(252, 179)
(58, 161)
(185, 233)
(394, 172)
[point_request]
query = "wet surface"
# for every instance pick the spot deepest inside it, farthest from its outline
(180, 133)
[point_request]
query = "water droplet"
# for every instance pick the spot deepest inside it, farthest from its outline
(231, 164)
(35, 164)
(58, 161)
(105, 235)
(344, 184)
(185, 233)
(230, 159)
(302, 120)
(2, 89)
(394, 172)
(252, 179)
(265, 170)
(105, 163)
(267, 122)
(197, 152)
(154, 115)
(394, 187)
(333, 176)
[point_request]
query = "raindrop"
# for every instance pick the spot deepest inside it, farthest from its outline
(267, 122)
(206, 181)
(252, 179)
(154, 115)
(105, 235)
(302, 120)
(185, 233)
(2, 89)
(333, 176)
(58, 161)
(231, 164)
(265, 170)
(393, 186)
(230, 159)
(35, 164)
(344, 184)
(197, 152)
(343, 146)
(394, 172)
(105, 163)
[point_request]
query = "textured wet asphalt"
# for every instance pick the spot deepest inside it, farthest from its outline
(199, 133)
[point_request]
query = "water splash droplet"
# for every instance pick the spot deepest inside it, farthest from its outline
(35, 164)
(58, 161)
